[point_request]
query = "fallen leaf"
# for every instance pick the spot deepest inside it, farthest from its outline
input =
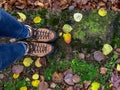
(35, 83)
(27, 62)
(118, 67)
(68, 79)
(76, 78)
(17, 69)
(43, 86)
(107, 49)
(57, 77)
(15, 76)
(98, 56)
(102, 12)
(37, 63)
(103, 70)
(67, 28)
(95, 86)
(77, 17)
(67, 38)
(22, 16)
(37, 19)
(23, 88)
(35, 76)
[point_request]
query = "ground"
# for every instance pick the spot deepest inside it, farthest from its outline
(82, 59)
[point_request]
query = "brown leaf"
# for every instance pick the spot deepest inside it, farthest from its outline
(76, 78)
(57, 77)
(78, 87)
(17, 69)
(43, 61)
(69, 71)
(43, 86)
(86, 84)
(68, 79)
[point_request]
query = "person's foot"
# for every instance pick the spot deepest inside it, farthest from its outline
(39, 49)
(42, 34)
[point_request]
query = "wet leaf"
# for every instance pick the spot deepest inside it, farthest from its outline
(22, 16)
(107, 49)
(67, 38)
(27, 62)
(67, 28)
(17, 69)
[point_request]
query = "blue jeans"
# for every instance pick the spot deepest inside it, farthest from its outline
(10, 27)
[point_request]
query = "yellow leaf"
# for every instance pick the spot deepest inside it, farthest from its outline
(107, 49)
(22, 17)
(15, 76)
(60, 34)
(35, 76)
(23, 88)
(95, 86)
(67, 28)
(37, 19)
(102, 12)
(27, 62)
(37, 63)
(67, 37)
(118, 67)
(35, 83)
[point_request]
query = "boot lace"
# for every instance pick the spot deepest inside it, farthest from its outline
(37, 48)
(40, 34)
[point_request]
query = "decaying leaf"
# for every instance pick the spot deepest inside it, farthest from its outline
(17, 69)
(43, 86)
(76, 78)
(98, 55)
(57, 77)
(68, 79)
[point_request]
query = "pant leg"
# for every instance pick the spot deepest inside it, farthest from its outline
(10, 27)
(11, 52)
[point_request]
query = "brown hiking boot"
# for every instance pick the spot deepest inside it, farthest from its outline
(42, 34)
(39, 49)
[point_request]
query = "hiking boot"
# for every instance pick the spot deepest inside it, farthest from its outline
(39, 49)
(42, 34)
